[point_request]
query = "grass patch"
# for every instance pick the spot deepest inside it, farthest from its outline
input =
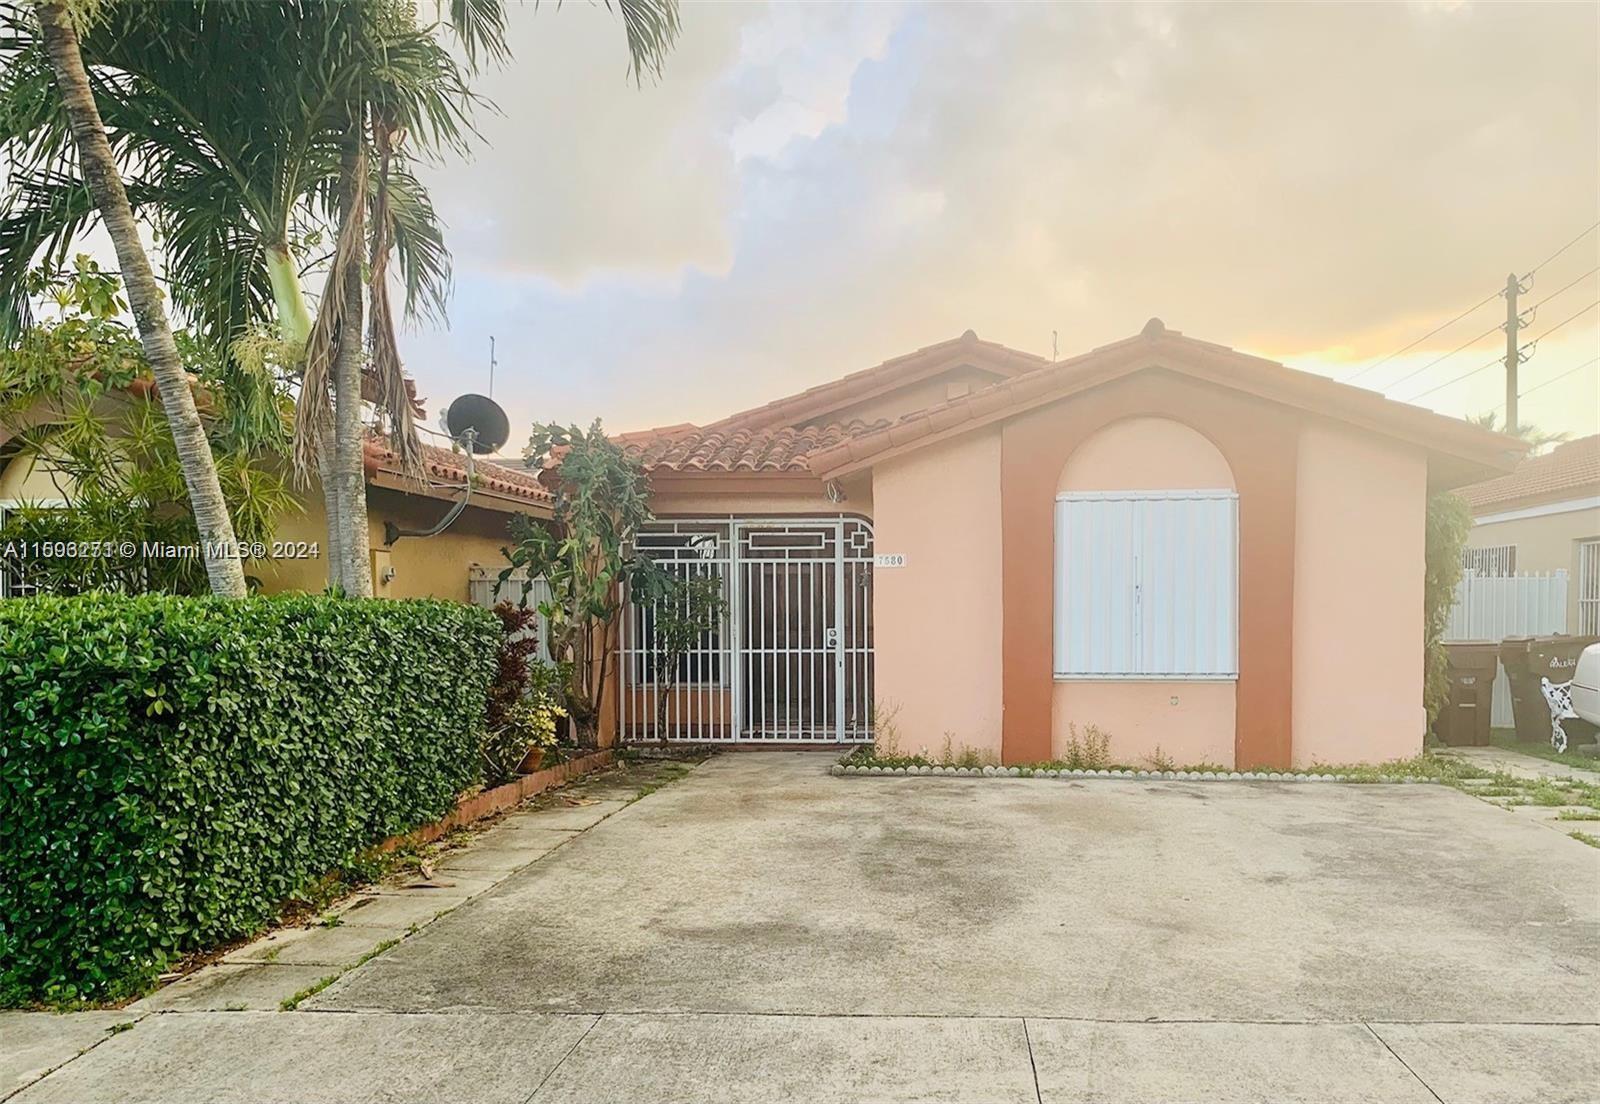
(1585, 837)
(119, 1028)
(1506, 738)
(666, 773)
(289, 1004)
(1424, 768)
(1496, 787)
(376, 951)
(1549, 794)
(1574, 814)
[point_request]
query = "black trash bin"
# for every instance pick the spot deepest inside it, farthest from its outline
(1554, 658)
(1464, 720)
(1530, 713)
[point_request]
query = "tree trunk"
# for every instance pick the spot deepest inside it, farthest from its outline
(219, 546)
(327, 475)
(289, 297)
(348, 475)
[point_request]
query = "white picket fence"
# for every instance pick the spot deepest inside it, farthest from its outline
(1494, 607)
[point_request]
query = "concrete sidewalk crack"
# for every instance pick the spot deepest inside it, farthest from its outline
(1402, 1061)
(1032, 1065)
(9, 1093)
(564, 1057)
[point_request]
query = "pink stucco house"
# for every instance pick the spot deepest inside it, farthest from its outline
(1189, 547)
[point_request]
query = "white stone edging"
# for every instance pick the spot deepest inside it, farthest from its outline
(855, 770)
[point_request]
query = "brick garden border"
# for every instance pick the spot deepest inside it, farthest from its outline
(856, 770)
(489, 802)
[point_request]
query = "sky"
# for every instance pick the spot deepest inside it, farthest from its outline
(809, 189)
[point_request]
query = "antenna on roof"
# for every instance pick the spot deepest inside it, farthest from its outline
(491, 366)
(1055, 346)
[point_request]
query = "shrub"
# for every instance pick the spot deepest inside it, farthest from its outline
(173, 769)
(519, 640)
(1449, 522)
(1093, 752)
(530, 722)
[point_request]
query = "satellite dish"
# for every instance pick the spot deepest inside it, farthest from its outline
(490, 427)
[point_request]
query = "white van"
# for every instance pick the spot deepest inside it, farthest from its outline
(1586, 685)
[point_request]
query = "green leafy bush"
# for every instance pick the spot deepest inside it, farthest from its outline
(528, 723)
(1449, 522)
(173, 769)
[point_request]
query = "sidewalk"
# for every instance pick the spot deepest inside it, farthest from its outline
(1518, 765)
(290, 964)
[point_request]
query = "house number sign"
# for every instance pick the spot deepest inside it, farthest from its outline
(889, 559)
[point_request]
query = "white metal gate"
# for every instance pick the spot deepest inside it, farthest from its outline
(1589, 587)
(792, 659)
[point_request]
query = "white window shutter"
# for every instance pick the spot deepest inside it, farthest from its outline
(1146, 585)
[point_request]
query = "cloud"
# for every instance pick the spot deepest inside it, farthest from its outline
(813, 188)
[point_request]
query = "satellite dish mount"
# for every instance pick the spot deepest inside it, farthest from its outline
(479, 426)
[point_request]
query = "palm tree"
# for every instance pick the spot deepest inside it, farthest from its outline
(230, 120)
(1538, 438)
(333, 353)
(252, 132)
(224, 570)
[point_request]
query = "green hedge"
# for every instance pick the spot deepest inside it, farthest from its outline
(173, 769)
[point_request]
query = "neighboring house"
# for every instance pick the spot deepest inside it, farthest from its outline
(436, 567)
(1189, 547)
(1544, 517)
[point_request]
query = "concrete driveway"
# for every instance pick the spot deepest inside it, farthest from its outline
(763, 932)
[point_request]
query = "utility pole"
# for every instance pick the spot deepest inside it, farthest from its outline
(1512, 288)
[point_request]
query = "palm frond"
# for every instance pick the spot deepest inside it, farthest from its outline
(388, 375)
(418, 239)
(313, 416)
(480, 25)
(43, 215)
(652, 27)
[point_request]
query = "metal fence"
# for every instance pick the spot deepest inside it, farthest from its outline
(1495, 607)
(1589, 588)
(791, 660)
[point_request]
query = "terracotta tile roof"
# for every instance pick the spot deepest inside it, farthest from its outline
(1458, 451)
(693, 448)
(930, 360)
(447, 465)
(1567, 470)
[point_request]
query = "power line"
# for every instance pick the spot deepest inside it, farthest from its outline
(1437, 360)
(1567, 287)
(1560, 251)
(1564, 321)
(1498, 360)
(1457, 379)
(1476, 306)
(1562, 376)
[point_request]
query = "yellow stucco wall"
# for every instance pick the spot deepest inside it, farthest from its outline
(936, 621)
(1358, 581)
(434, 567)
(431, 567)
(22, 480)
(1547, 543)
